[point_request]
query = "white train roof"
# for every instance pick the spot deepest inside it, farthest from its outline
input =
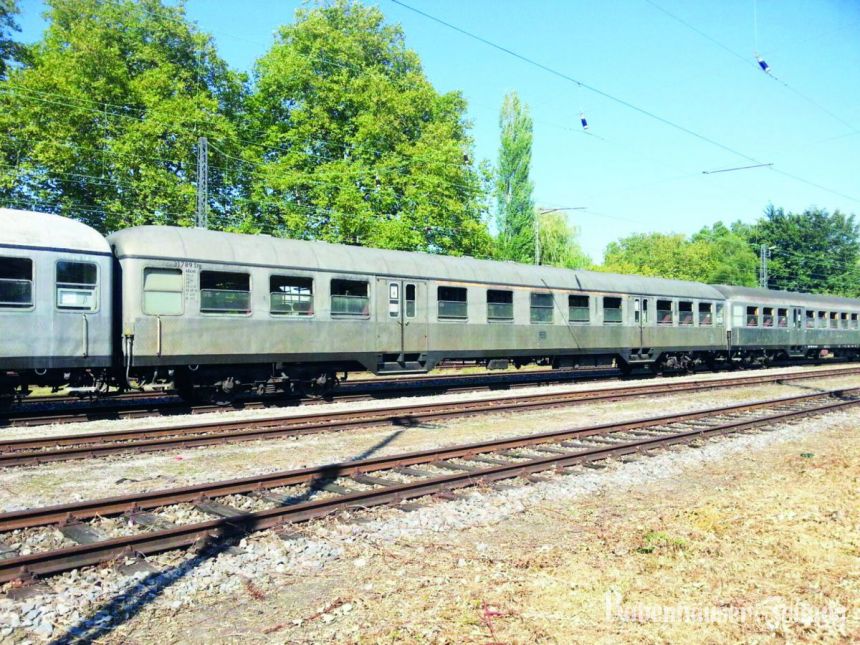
(40, 230)
(173, 243)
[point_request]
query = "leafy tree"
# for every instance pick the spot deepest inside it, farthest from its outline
(10, 51)
(102, 123)
(515, 206)
(353, 143)
(559, 244)
(714, 255)
(812, 251)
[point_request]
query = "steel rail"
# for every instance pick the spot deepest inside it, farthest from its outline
(205, 533)
(20, 452)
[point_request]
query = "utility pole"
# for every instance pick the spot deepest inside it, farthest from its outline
(202, 183)
(764, 252)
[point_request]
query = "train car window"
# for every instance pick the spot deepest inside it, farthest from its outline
(822, 319)
(579, 309)
(291, 295)
(16, 283)
(664, 312)
(782, 317)
(223, 292)
(854, 321)
(719, 314)
(810, 319)
(410, 301)
(541, 308)
(77, 286)
(752, 316)
(500, 305)
(452, 303)
(834, 319)
(843, 321)
(685, 312)
(767, 318)
(705, 314)
(612, 314)
(162, 292)
(349, 298)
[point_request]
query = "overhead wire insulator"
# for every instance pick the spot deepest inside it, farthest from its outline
(763, 64)
(583, 121)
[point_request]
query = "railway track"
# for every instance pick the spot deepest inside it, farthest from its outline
(67, 409)
(20, 452)
(241, 506)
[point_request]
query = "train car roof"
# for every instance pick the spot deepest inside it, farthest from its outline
(29, 229)
(169, 243)
(770, 296)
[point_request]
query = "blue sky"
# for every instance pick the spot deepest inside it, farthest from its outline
(634, 173)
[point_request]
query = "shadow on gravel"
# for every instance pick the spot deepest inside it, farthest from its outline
(133, 600)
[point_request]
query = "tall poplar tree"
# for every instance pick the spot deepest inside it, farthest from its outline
(515, 205)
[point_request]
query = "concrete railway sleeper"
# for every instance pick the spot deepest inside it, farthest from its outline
(366, 483)
(21, 452)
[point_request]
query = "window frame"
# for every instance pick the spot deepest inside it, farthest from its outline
(7, 308)
(709, 312)
(780, 317)
(143, 289)
(291, 315)
(764, 317)
(692, 321)
(96, 288)
(496, 320)
(619, 309)
(540, 308)
(756, 314)
(465, 301)
(226, 312)
(407, 300)
(346, 315)
(658, 312)
(587, 309)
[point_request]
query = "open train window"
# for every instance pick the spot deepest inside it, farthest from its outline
(822, 319)
(349, 298)
(664, 312)
(767, 318)
(500, 305)
(452, 303)
(579, 310)
(77, 284)
(752, 317)
(843, 321)
(854, 321)
(162, 292)
(541, 308)
(782, 317)
(685, 312)
(705, 314)
(612, 311)
(223, 292)
(16, 283)
(834, 319)
(291, 295)
(810, 319)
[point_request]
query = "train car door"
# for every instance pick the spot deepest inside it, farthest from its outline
(402, 322)
(639, 305)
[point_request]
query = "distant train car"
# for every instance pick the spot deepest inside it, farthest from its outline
(55, 302)
(766, 325)
(222, 310)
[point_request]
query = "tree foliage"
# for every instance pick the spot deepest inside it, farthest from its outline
(10, 50)
(813, 251)
(102, 123)
(714, 255)
(559, 245)
(355, 145)
(515, 206)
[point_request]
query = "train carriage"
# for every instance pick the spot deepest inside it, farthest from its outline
(220, 308)
(55, 302)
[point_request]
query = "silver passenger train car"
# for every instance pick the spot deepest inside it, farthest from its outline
(217, 312)
(56, 277)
